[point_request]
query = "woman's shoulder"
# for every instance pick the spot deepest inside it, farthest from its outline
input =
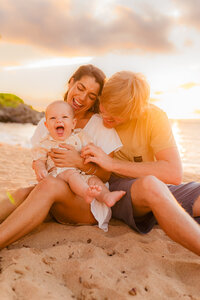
(39, 133)
(106, 138)
(96, 117)
(96, 121)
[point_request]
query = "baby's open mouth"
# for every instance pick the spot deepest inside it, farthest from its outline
(60, 130)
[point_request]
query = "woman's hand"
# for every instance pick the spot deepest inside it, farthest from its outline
(66, 157)
(92, 153)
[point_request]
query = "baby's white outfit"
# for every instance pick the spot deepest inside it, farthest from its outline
(105, 138)
(40, 151)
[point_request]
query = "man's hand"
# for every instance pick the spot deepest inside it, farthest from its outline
(92, 153)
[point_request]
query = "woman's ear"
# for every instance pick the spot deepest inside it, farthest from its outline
(70, 83)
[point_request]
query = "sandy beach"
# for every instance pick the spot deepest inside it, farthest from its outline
(82, 262)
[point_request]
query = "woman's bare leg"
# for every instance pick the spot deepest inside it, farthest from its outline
(36, 206)
(7, 205)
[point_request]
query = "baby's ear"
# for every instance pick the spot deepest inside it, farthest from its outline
(74, 122)
(45, 123)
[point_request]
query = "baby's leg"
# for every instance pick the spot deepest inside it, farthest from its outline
(12, 200)
(79, 186)
(105, 196)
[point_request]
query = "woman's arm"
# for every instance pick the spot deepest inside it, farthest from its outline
(167, 168)
(69, 157)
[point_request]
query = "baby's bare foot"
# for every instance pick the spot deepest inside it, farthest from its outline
(112, 197)
(92, 192)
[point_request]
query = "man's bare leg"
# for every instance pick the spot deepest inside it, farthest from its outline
(196, 208)
(36, 206)
(7, 205)
(150, 194)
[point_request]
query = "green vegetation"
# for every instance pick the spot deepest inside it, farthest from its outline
(9, 100)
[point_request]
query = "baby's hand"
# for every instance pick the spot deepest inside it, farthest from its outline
(40, 169)
(41, 174)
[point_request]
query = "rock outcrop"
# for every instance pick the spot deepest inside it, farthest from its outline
(22, 113)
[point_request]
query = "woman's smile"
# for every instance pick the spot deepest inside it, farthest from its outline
(76, 104)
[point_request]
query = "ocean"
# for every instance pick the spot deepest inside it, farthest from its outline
(186, 134)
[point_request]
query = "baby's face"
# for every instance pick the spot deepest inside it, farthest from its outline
(59, 121)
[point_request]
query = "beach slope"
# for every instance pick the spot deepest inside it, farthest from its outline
(82, 262)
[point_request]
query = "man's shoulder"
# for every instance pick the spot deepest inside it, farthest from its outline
(154, 112)
(153, 109)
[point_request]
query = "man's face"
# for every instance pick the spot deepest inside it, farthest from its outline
(108, 120)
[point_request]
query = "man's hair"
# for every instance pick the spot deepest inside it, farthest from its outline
(125, 94)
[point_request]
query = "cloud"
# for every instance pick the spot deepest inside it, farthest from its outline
(189, 12)
(189, 85)
(75, 27)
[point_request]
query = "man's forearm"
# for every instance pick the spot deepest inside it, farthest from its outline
(163, 170)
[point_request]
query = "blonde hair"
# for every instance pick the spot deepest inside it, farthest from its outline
(125, 94)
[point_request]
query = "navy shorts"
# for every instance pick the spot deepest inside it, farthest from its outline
(185, 194)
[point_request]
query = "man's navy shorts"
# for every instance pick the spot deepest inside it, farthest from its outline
(185, 194)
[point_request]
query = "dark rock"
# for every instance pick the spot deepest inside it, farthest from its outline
(20, 114)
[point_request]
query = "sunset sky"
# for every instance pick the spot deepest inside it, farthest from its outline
(43, 41)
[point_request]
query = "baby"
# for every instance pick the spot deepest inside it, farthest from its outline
(60, 123)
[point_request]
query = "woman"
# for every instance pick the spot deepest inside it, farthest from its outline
(84, 88)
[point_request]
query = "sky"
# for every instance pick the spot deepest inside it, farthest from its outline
(42, 42)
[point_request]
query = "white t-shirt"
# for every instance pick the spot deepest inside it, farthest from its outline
(105, 138)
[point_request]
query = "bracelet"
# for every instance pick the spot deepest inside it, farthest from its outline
(90, 169)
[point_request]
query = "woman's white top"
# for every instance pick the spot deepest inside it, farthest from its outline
(105, 138)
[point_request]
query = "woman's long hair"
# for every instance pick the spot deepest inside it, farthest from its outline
(92, 71)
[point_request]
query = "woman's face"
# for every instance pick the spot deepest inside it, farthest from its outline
(108, 120)
(82, 93)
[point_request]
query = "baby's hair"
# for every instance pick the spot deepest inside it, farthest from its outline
(60, 102)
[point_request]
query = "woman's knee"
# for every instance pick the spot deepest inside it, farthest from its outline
(53, 185)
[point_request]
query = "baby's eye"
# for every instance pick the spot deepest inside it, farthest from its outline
(52, 118)
(65, 117)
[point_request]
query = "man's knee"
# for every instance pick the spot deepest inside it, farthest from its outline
(148, 188)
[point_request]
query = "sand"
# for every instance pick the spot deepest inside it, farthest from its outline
(82, 262)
